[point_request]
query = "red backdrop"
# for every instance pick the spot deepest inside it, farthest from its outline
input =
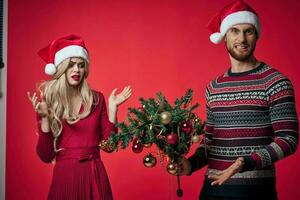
(150, 45)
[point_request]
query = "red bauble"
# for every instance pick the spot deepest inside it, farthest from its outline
(137, 146)
(172, 138)
(186, 127)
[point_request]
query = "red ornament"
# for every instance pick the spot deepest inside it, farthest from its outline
(137, 146)
(172, 138)
(186, 127)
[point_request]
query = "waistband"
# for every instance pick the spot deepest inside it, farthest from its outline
(78, 153)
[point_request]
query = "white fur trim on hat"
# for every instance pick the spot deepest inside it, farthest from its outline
(70, 51)
(50, 69)
(216, 38)
(241, 17)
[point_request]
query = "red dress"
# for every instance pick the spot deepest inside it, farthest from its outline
(79, 173)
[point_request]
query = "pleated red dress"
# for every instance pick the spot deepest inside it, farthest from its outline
(79, 173)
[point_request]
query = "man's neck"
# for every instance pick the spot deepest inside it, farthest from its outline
(243, 66)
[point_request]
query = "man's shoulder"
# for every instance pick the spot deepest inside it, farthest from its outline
(274, 73)
(216, 79)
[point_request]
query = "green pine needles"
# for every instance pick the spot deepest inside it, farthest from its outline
(172, 128)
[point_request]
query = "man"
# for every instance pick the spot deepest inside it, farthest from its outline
(251, 116)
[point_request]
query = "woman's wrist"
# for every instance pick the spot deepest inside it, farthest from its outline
(112, 108)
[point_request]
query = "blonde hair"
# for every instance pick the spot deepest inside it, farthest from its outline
(56, 94)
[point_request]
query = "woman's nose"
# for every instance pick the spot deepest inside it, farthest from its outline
(76, 68)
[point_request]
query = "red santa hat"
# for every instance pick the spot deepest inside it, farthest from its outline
(238, 12)
(61, 48)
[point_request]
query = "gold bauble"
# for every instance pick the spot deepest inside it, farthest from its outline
(172, 168)
(196, 139)
(149, 161)
(147, 145)
(166, 117)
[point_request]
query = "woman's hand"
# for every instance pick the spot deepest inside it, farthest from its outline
(115, 100)
(39, 106)
(221, 177)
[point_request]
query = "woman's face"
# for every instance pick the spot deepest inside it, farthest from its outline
(75, 71)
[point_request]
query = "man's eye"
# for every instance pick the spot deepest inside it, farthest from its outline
(234, 30)
(250, 31)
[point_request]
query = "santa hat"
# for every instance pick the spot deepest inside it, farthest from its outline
(238, 12)
(61, 48)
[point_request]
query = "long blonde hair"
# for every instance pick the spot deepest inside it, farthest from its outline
(56, 93)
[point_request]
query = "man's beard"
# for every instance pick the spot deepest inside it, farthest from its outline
(240, 57)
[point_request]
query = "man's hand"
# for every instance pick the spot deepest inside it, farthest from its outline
(221, 177)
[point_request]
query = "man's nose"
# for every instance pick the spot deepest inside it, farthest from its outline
(242, 37)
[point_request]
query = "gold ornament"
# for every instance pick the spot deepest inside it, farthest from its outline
(196, 139)
(166, 117)
(149, 161)
(105, 145)
(147, 145)
(172, 168)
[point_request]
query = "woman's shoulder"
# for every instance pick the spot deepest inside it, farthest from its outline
(98, 98)
(98, 93)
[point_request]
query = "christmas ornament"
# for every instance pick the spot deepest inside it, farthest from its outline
(106, 146)
(196, 139)
(149, 161)
(172, 138)
(172, 168)
(166, 117)
(137, 146)
(147, 145)
(157, 122)
(141, 109)
(186, 127)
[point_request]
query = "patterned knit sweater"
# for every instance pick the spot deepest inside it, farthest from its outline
(252, 115)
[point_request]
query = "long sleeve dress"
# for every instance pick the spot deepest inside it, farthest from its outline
(78, 172)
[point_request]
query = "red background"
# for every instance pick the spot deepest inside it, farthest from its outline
(152, 45)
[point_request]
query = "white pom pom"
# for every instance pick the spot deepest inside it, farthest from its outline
(216, 38)
(50, 69)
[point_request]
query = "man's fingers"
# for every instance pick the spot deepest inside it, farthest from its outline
(213, 176)
(217, 182)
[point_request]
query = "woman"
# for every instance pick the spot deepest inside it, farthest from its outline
(72, 121)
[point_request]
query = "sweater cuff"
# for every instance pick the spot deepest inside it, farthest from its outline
(196, 162)
(249, 164)
(193, 163)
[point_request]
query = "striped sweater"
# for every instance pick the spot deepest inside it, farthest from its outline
(252, 115)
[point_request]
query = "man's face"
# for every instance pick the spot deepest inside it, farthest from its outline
(240, 41)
